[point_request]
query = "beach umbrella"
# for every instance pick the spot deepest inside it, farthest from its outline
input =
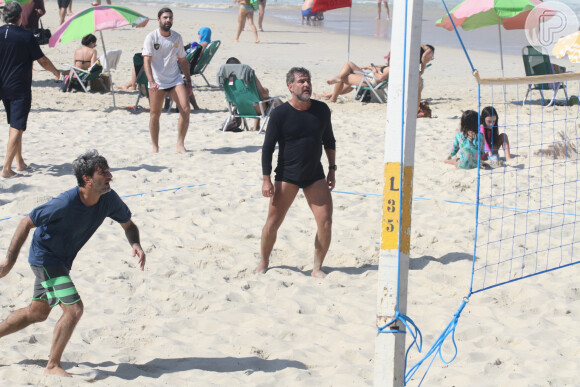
(569, 45)
(93, 19)
(21, 2)
(472, 14)
(327, 5)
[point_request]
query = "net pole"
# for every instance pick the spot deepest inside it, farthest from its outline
(397, 192)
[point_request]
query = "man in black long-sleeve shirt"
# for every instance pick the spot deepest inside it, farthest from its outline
(301, 127)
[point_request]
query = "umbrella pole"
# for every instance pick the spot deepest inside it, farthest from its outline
(348, 49)
(500, 45)
(108, 68)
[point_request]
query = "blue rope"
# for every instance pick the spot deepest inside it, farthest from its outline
(436, 349)
(458, 36)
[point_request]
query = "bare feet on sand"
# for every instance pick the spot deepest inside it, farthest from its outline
(262, 268)
(56, 371)
(318, 274)
(180, 148)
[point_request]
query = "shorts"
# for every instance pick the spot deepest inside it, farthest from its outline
(54, 285)
(17, 110)
(168, 89)
(301, 184)
(307, 12)
(63, 3)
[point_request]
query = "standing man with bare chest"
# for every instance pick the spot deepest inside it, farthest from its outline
(301, 127)
(163, 56)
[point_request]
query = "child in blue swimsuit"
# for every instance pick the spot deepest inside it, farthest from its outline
(466, 147)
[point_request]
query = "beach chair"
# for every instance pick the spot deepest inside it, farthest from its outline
(368, 84)
(141, 79)
(538, 63)
(204, 60)
(83, 77)
(242, 96)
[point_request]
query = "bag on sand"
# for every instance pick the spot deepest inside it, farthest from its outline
(424, 110)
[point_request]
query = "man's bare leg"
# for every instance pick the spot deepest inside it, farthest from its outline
(179, 95)
(20, 164)
(156, 99)
(13, 150)
(37, 311)
(284, 194)
(62, 333)
(320, 202)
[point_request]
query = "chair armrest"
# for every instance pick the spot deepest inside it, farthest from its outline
(77, 69)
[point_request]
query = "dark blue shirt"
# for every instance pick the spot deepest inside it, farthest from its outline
(18, 51)
(65, 224)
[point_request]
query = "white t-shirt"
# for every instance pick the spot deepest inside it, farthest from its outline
(164, 52)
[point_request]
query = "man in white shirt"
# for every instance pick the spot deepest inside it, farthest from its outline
(163, 56)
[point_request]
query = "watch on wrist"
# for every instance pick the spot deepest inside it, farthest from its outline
(333, 167)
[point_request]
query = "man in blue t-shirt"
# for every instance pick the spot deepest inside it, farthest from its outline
(63, 226)
(18, 51)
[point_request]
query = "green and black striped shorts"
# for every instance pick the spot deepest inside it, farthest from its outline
(54, 285)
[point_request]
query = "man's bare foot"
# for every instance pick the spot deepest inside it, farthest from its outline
(127, 87)
(257, 41)
(318, 274)
(180, 149)
(262, 268)
(333, 81)
(235, 40)
(23, 167)
(261, 29)
(56, 371)
(155, 149)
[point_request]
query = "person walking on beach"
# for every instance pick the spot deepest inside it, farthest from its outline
(386, 9)
(63, 226)
(160, 49)
(18, 51)
(246, 11)
(300, 127)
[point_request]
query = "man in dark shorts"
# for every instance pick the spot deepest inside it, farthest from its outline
(18, 51)
(62, 9)
(160, 49)
(301, 127)
(63, 226)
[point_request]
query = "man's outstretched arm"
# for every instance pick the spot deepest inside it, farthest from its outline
(132, 234)
(18, 240)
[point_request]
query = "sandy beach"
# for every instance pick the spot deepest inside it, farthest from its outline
(197, 315)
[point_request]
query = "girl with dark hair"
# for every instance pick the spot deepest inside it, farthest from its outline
(493, 139)
(465, 145)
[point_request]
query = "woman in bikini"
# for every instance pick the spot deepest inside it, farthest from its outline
(246, 10)
(349, 77)
(86, 55)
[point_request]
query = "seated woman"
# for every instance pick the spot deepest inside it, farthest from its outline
(86, 55)
(347, 79)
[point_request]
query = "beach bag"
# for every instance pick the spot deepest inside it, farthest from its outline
(235, 125)
(41, 34)
(362, 96)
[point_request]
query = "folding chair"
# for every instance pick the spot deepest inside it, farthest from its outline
(538, 63)
(369, 84)
(242, 96)
(204, 60)
(141, 79)
(83, 77)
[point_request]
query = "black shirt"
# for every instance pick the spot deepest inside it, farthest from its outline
(300, 135)
(18, 51)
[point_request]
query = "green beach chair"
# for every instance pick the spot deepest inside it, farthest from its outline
(538, 63)
(204, 60)
(141, 79)
(242, 96)
(84, 77)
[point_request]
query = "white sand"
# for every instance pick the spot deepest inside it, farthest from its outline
(197, 315)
